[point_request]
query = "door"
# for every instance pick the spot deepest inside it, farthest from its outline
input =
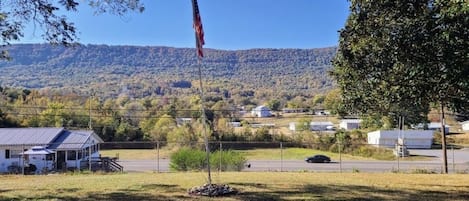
(61, 160)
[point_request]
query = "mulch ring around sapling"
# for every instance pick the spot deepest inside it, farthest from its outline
(212, 190)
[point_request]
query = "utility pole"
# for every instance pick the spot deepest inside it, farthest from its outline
(443, 139)
(89, 104)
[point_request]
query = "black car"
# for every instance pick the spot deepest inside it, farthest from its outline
(318, 159)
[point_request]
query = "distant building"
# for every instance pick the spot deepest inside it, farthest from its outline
(183, 120)
(417, 139)
(350, 124)
(465, 126)
(321, 125)
(313, 126)
(267, 125)
(293, 126)
(234, 124)
(435, 126)
(321, 112)
(293, 110)
(261, 111)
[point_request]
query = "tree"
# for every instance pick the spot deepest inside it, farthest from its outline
(333, 102)
(317, 101)
(127, 132)
(303, 124)
(297, 102)
(54, 115)
(183, 136)
(396, 57)
(57, 29)
(378, 62)
(274, 105)
(163, 127)
(5, 121)
(223, 128)
(450, 60)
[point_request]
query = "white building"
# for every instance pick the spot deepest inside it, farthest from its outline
(321, 125)
(435, 126)
(465, 126)
(183, 121)
(267, 125)
(321, 112)
(261, 111)
(350, 124)
(234, 124)
(295, 126)
(416, 139)
(293, 110)
(46, 149)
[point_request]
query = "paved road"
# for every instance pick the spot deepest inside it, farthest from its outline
(458, 161)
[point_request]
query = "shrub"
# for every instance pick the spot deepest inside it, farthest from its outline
(373, 152)
(227, 161)
(422, 171)
(187, 159)
(195, 160)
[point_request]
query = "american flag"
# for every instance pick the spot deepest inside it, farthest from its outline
(199, 31)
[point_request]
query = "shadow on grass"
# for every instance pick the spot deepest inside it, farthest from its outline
(4, 191)
(152, 192)
(348, 193)
(254, 185)
(259, 192)
(422, 156)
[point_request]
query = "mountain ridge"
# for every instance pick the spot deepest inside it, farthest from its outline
(114, 68)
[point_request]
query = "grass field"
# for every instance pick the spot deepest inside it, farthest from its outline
(251, 186)
(253, 154)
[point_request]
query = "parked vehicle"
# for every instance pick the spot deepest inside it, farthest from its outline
(318, 159)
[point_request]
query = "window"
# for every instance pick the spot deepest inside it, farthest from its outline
(50, 157)
(71, 155)
(80, 154)
(13, 153)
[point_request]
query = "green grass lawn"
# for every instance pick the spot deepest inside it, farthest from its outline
(293, 154)
(252, 154)
(251, 186)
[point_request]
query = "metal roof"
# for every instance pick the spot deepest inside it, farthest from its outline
(72, 140)
(321, 123)
(38, 150)
(56, 138)
(350, 121)
(21, 136)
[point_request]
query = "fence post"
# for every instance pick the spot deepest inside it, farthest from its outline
(89, 157)
(340, 157)
(454, 165)
(157, 156)
(398, 153)
(219, 167)
(22, 167)
(281, 157)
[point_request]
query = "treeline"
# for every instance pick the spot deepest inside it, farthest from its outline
(109, 71)
(138, 119)
(165, 120)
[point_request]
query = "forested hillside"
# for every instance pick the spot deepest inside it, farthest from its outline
(108, 71)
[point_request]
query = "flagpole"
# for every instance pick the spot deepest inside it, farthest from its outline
(204, 121)
(199, 39)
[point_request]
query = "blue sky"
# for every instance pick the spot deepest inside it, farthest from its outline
(228, 24)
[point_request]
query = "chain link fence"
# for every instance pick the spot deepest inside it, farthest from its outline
(260, 156)
(287, 156)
